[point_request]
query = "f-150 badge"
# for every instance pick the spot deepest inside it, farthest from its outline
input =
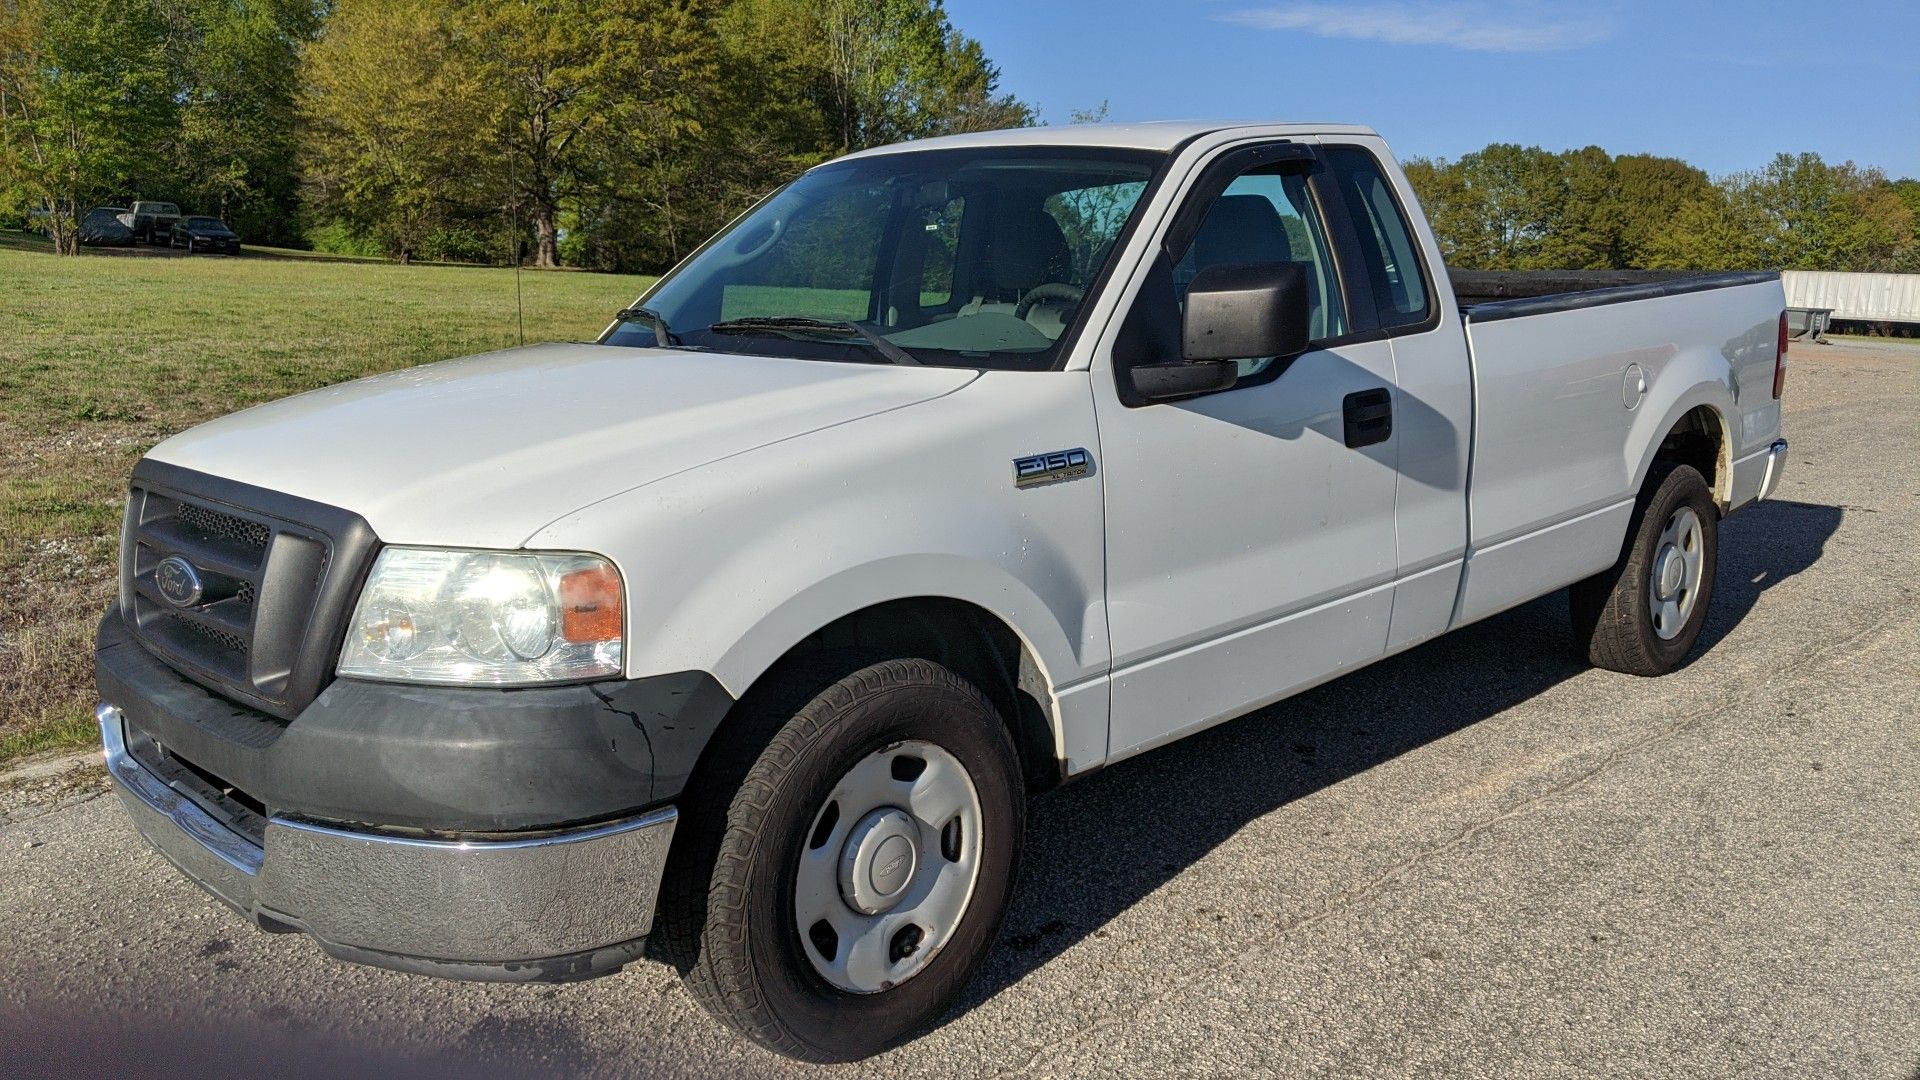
(1051, 468)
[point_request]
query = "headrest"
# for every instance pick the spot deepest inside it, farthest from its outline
(1026, 249)
(1241, 229)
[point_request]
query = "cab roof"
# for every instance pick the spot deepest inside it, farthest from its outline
(1155, 135)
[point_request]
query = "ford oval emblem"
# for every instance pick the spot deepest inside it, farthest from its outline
(178, 581)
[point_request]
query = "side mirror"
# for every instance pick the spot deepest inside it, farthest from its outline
(1240, 311)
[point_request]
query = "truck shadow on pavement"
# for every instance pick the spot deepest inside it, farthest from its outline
(1098, 847)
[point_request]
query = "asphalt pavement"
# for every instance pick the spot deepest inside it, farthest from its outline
(1477, 859)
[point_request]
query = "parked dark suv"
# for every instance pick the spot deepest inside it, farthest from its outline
(204, 234)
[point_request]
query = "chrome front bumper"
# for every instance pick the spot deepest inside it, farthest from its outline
(565, 905)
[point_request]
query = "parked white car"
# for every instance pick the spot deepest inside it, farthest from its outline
(949, 472)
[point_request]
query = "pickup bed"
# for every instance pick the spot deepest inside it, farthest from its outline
(949, 472)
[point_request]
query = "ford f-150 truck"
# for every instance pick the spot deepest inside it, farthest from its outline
(949, 472)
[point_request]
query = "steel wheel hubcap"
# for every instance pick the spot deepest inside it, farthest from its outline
(889, 867)
(878, 861)
(1674, 581)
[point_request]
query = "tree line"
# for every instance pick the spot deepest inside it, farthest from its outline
(1510, 207)
(613, 134)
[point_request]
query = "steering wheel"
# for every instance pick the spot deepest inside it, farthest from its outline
(1052, 290)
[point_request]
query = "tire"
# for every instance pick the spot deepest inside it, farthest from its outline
(1643, 615)
(733, 886)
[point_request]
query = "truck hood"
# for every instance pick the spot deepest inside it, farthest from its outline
(482, 452)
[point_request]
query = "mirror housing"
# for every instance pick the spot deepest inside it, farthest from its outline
(1242, 311)
(1168, 382)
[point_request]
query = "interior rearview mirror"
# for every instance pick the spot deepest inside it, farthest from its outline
(1240, 311)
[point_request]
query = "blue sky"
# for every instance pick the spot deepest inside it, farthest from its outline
(1724, 85)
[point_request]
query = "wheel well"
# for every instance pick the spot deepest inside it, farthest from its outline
(1699, 440)
(967, 639)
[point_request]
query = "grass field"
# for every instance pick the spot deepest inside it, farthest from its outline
(101, 357)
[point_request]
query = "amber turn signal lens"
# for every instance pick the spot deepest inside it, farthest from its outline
(590, 605)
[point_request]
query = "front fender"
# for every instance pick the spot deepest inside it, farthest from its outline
(934, 575)
(730, 565)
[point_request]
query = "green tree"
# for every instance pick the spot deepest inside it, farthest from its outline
(84, 95)
(583, 91)
(397, 123)
(881, 71)
(237, 79)
(1522, 208)
(1580, 212)
(1815, 216)
(1907, 261)
(1654, 193)
(1502, 207)
(797, 82)
(1453, 210)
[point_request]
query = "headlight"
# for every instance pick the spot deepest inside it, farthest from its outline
(485, 617)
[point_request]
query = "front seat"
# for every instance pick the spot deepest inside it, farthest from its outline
(1026, 248)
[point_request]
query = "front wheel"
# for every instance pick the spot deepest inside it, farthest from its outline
(857, 878)
(1643, 615)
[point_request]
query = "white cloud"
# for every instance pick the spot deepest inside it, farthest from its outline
(1482, 27)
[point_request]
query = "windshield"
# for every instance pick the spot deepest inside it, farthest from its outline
(975, 258)
(204, 223)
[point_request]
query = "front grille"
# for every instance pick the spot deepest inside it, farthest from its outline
(216, 639)
(209, 524)
(275, 576)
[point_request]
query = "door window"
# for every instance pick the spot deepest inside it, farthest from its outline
(1391, 260)
(1267, 215)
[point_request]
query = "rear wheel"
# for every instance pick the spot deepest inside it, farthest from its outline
(856, 879)
(1644, 614)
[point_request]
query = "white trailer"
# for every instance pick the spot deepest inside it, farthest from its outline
(1874, 298)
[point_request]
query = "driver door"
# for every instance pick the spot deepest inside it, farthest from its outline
(1250, 532)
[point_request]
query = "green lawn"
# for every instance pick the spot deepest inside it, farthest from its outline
(103, 356)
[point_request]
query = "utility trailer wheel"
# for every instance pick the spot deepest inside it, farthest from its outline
(856, 879)
(1642, 615)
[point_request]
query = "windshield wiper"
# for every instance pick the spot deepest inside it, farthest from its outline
(801, 324)
(662, 334)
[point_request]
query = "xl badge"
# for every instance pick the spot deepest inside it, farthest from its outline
(178, 581)
(1051, 468)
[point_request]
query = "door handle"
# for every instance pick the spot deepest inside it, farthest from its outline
(1369, 415)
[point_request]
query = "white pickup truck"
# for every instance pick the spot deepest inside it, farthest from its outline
(949, 472)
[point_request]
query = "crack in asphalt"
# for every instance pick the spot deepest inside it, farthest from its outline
(1344, 902)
